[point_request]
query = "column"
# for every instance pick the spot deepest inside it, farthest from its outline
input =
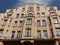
(1, 43)
(22, 42)
(56, 43)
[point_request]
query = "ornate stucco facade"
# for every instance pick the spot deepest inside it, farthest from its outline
(30, 24)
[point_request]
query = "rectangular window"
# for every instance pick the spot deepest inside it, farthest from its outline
(18, 34)
(29, 21)
(15, 23)
(44, 22)
(55, 20)
(13, 34)
(38, 22)
(20, 23)
(1, 32)
(38, 34)
(45, 34)
(28, 32)
(58, 31)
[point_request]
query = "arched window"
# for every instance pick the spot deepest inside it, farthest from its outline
(30, 14)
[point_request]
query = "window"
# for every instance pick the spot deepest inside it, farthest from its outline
(18, 34)
(44, 22)
(17, 16)
(38, 34)
(29, 21)
(52, 13)
(23, 9)
(13, 34)
(6, 34)
(20, 23)
(15, 23)
(28, 32)
(55, 20)
(9, 23)
(30, 8)
(43, 14)
(45, 34)
(6, 31)
(30, 14)
(38, 22)
(4, 22)
(57, 31)
(38, 14)
(22, 15)
(38, 8)
(1, 32)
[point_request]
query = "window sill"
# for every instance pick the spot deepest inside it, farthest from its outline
(28, 24)
(39, 26)
(27, 36)
(56, 23)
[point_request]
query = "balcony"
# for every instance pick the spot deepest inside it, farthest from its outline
(9, 38)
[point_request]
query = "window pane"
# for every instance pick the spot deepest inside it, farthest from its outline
(13, 34)
(17, 16)
(15, 23)
(20, 23)
(18, 34)
(52, 13)
(38, 22)
(44, 23)
(55, 20)
(28, 32)
(22, 15)
(4, 22)
(45, 34)
(1, 32)
(29, 21)
(30, 14)
(30, 8)
(38, 34)
(38, 8)
(43, 14)
(57, 31)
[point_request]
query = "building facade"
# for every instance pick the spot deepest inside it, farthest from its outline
(30, 24)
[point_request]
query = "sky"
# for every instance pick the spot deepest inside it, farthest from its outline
(5, 4)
